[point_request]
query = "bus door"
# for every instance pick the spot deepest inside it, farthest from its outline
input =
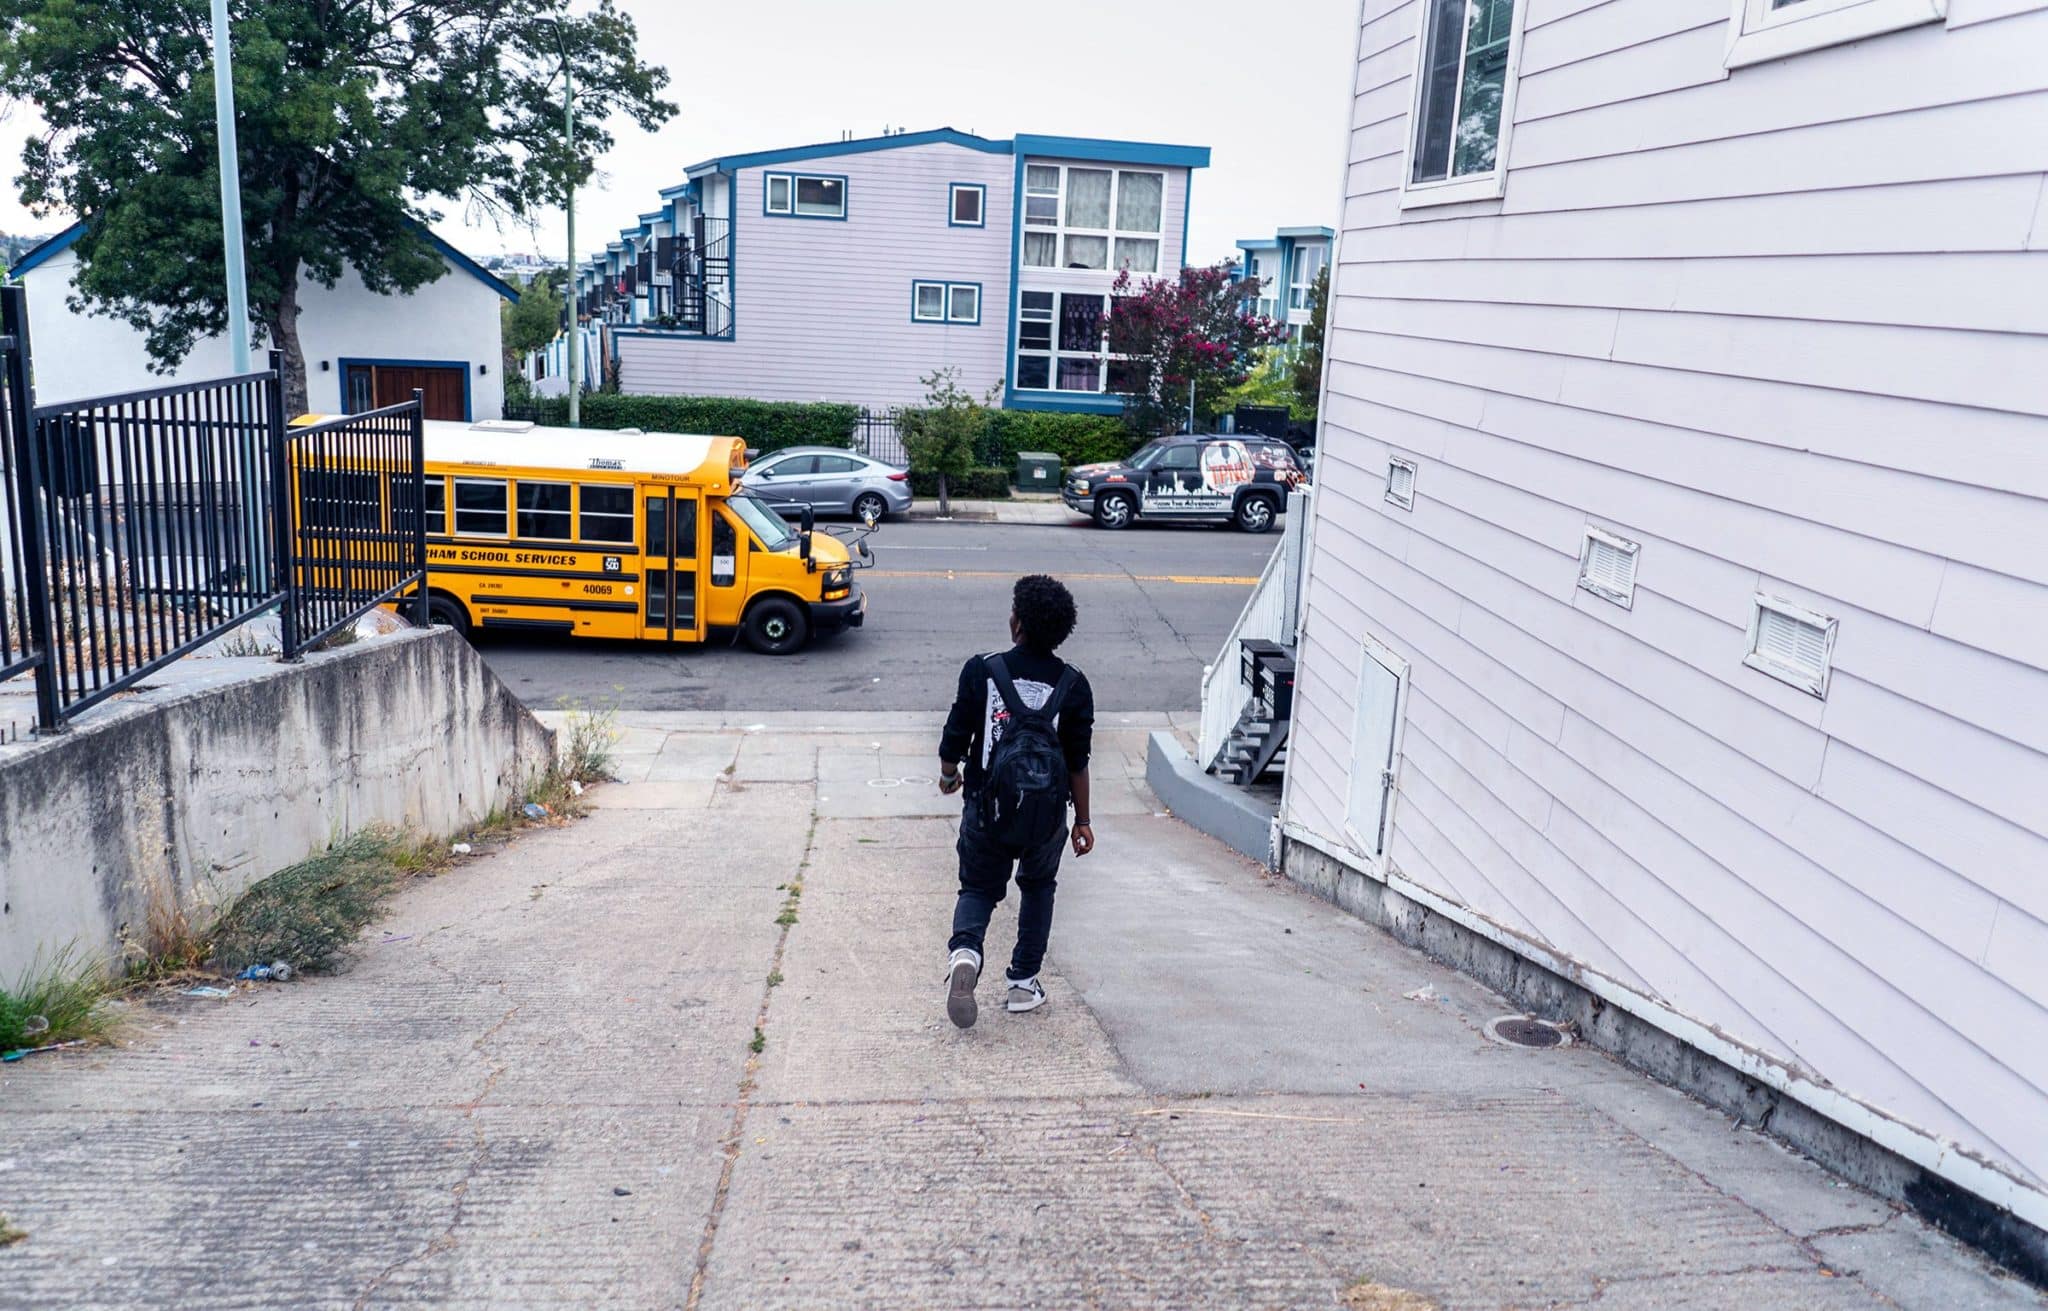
(673, 608)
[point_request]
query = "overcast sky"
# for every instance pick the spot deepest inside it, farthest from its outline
(1265, 86)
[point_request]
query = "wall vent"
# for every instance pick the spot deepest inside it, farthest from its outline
(1401, 482)
(1791, 644)
(1607, 567)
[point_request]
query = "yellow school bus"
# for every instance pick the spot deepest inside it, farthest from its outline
(620, 534)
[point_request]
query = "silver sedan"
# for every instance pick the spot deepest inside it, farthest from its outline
(830, 480)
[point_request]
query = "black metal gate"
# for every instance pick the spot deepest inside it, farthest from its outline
(139, 527)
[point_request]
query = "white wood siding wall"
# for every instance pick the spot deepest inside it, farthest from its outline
(822, 308)
(1787, 328)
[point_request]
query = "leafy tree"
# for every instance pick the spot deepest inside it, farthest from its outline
(1271, 382)
(354, 118)
(1183, 331)
(943, 436)
(533, 320)
(1308, 358)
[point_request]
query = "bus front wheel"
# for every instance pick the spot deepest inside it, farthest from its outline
(447, 612)
(777, 626)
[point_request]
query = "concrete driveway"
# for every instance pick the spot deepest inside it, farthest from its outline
(539, 1088)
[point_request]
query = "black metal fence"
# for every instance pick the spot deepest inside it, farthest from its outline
(142, 526)
(879, 436)
(359, 537)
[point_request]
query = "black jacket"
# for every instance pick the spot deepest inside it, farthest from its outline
(978, 716)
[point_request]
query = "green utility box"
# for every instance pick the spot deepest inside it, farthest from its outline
(1038, 471)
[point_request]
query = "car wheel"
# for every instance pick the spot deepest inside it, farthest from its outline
(777, 626)
(870, 507)
(447, 612)
(1115, 510)
(1255, 514)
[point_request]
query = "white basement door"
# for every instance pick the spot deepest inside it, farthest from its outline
(1372, 749)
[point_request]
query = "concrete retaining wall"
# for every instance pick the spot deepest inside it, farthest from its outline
(232, 769)
(1224, 811)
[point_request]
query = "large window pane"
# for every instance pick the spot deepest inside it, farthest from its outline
(544, 511)
(1041, 250)
(1087, 252)
(930, 302)
(1138, 254)
(1081, 323)
(821, 197)
(964, 305)
(1088, 197)
(1139, 199)
(1034, 372)
(1435, 114)
(1080, 373)
(1458, 120)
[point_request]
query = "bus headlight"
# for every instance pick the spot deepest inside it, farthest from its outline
(838, 582)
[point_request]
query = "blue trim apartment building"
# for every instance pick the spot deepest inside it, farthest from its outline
(1286, 265)
(851, 270)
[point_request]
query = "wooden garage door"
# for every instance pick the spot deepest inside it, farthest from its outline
(373, 386)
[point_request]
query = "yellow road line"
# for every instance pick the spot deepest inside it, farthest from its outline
(1208, 580)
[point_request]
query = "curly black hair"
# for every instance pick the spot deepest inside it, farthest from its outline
(1045, 612)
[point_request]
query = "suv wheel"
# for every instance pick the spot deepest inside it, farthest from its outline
(1115, 510)
(1255, 514)
(777, 626)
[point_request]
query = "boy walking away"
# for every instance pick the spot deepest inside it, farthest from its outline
(1022, 722)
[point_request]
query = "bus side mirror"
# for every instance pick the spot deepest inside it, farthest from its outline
(810, 523)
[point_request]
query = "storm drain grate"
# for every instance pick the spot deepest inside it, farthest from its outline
(1521, 1031)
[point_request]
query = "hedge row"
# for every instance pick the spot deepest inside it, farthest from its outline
(974, 485)
(766, 425)
(1075, 438)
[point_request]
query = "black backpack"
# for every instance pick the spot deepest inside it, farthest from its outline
(1024, 801)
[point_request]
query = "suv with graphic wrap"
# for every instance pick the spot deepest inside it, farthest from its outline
(1243, 480)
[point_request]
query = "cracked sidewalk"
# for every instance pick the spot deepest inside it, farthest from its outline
(537, 1088)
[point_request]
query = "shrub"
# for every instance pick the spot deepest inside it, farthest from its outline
(942, 436)
(1075, 438)
(975, 484)
(765, 425)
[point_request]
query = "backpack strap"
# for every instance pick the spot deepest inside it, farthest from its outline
(999, 674)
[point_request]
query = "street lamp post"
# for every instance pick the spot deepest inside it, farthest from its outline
(569, 285)
(238, 286)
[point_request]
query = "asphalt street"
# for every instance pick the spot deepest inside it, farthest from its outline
(1156, 604)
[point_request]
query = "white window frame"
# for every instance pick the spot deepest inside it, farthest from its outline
(1794, 677)
(1626, 600)
(1053, 355)
(1297, 290)
(1474, 186)
(795, 180)
(953, 191)
(1059, 231)
(1757, 32)
(949, 302)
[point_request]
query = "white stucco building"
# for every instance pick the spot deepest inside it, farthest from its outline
(362, 349)
(1677, 613)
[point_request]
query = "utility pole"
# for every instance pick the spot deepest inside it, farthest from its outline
(230, 188)
(569, 186)
(238, 292)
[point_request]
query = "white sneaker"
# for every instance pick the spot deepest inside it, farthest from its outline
(1025, 995)
(963, 971)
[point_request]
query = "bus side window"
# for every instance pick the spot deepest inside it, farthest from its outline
(724, 552)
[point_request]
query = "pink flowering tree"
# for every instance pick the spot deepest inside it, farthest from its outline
(1167, 335)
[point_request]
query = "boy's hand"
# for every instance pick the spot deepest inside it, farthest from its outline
(1084, 839)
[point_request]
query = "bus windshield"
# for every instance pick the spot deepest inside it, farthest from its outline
(767, 525)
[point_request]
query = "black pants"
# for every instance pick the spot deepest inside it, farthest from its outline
(984, 879)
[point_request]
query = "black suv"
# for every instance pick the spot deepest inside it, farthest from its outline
(1242, 479)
